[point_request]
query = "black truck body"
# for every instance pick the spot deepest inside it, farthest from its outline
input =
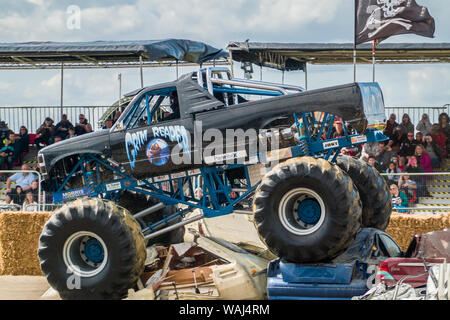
(130, 146)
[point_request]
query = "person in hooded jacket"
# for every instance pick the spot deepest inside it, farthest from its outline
(424, 125)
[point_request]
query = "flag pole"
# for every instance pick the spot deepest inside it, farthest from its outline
(373, 60)
(354, 41)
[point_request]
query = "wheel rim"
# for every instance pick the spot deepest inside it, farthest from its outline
(301, 211)
(85, 254)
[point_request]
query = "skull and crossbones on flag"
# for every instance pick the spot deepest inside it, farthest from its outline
(380, 19)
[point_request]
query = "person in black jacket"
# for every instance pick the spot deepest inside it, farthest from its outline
(46, 133)
(409, 146)
(391, 124)
(22, 144)
(62, 127)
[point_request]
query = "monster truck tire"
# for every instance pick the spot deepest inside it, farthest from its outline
(92, 249)
(135, 202)
(307, 210)
(373, 190)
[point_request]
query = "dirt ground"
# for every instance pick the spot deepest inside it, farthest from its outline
(22, 287)
(234, 227)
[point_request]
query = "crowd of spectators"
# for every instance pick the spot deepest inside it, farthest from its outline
(410, 149)
(50, 133)
(22, 187)
(406, 151)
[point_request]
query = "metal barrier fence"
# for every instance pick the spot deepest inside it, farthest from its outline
(425, 192)
(32, 117)
(415, 113)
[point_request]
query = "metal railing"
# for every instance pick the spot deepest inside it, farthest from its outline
(415, 113)
(431, 193)
(33, 116)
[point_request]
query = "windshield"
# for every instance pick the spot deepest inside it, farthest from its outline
(373, 103)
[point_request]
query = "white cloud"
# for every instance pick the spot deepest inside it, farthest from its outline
(216, 22)
(429, 83)
(37, 2)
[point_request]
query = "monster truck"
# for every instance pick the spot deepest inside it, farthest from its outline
(210, 142)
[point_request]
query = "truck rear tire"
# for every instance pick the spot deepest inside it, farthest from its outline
(136, 202)
(307, 210)
(373, 190)
(92, 249)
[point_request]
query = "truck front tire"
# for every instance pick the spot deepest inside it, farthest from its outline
(92, 249)
(307, 210)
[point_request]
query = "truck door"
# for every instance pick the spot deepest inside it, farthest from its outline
(154, 138)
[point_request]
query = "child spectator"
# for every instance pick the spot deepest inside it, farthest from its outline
(408, 186)
(6, 155)
(15, 145)
(401, 163)
(46, 133)
(373, 162)
(392, 168)
(4, 132)
(29, 204)
(419, 138)
(399, 199)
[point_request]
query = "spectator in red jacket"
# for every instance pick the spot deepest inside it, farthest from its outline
(440, 139)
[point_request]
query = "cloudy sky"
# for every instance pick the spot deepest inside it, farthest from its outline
(215, 22)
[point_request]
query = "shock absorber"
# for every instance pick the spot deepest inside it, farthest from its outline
(90, 181)
(304, 148)
(303, 140)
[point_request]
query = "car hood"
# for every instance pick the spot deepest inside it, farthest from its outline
(94, 142)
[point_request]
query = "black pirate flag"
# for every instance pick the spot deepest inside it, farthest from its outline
(380, 19)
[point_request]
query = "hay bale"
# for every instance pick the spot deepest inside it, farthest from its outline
(403, 227)
(19, 239)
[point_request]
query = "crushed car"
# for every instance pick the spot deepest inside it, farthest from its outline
(348, 275)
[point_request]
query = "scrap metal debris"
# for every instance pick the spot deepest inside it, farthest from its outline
(209, 268)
